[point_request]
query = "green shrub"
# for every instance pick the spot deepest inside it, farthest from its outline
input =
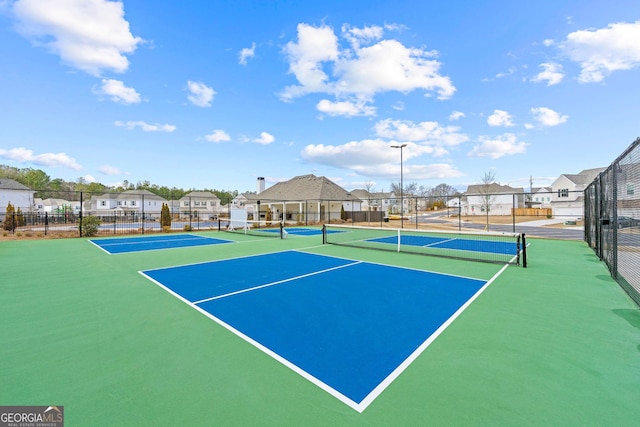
(89, 226)
(165, 217)
(9, 223)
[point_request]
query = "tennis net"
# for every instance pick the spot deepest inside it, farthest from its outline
(250, 227)
(479, 246)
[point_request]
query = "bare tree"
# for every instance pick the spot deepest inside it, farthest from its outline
(369, 187)
(486, 183)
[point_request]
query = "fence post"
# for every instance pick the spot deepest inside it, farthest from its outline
(80, 226)
(513, 211)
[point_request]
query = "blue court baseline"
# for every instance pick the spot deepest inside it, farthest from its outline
(147, 243)
(346, 325)
(506, 248)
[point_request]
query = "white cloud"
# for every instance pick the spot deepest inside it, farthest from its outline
(602, 51)
(427, 133)
(398, 106)
(345, 108)
(23, 155)
(551, 73)
(147, 127)
(247, 53)
(500, 118)
(118, 92)
(265, 139)
(500, 146)
(456, 115)
(200, 94)
(109, 170)
(547, 117)
(363, 69)
(358, 36)
(507, 73)
(314, 46)
(218, 135)
(90, 35)
(88, 178)
(376, 158)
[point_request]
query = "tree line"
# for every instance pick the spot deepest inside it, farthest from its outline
(57, 188)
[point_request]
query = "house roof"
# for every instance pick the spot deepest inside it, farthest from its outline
(493, 188)
(584, 177)
(138, 194)
(10, 184)
(362, 194)
(303, 187)
(200, 194)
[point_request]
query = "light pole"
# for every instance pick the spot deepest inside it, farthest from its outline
(401, 146)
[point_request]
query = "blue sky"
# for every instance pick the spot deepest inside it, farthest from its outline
(213, 94)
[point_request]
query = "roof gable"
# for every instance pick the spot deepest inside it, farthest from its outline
(10, 184)
(493, 188)
(305, 187)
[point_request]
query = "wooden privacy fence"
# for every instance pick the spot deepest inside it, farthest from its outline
(531, 212)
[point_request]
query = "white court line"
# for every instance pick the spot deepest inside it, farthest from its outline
(362, 405)
(439, 242)
(99, 247)
(276, 283)
(409, 360)
(151, 241)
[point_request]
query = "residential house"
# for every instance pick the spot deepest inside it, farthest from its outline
(305, 198)
(128, 203)
(381, 201)
(567, 193)
(492, 199)
(56, 206)
(20, 196)
(200, 204)
(540, 197)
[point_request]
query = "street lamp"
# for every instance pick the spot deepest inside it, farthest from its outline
(401, 146)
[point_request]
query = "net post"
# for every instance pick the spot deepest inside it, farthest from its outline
(524, 251)
(398, 240)
(324, 234)
(281, 229)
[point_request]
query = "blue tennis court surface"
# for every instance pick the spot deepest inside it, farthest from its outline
(149, 243)
(495, 247)
(303, 231)
(348, 326)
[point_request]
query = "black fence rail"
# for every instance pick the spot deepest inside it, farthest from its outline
(612, 219)
(543, 213)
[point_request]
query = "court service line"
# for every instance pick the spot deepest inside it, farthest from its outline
(417, 352)
(241, 291)
(143, 241)
(439, 242)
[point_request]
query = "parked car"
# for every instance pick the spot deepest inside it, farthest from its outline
(625, 222)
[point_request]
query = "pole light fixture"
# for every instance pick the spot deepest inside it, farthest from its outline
(401, 146)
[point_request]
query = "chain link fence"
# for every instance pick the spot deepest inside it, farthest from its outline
(612, 219)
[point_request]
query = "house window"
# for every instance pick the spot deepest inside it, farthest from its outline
(186, 203)
(103, 203)
(133, 203)
(197, 203)
(563, 192)
(119, 203)
(630, 189)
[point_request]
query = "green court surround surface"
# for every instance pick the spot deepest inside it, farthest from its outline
(557, 343)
